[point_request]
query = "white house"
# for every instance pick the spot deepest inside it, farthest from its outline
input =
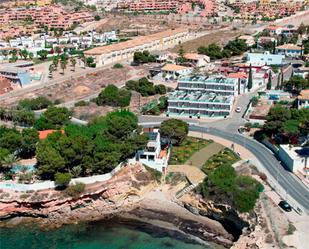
(198, 60)
(261, 59)
(161, 56)
(303, 99)
(289, 50)
(4, 44)
(173, 71)
(152, 155)
(39, 43)
(302, 72)
(295, 158)
(248, 39)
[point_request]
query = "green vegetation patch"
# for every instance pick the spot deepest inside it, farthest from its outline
(225, 186)
(181, 153)
(224, 157)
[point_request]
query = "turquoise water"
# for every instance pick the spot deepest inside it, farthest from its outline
(18, 168)
(94, 235)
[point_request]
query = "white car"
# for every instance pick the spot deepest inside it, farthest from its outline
(238, 109)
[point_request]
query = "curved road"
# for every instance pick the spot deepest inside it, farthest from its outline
(294, 190)
(292, 185)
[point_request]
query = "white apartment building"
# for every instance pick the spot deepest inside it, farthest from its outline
(125, 50)
(217, 84)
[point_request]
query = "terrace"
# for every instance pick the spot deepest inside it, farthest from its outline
(218, 80)
(199, 96)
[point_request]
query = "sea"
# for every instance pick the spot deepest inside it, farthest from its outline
(103, 234)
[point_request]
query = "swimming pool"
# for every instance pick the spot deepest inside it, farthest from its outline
(18, 168)
(14, 186)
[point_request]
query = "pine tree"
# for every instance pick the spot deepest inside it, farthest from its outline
(250, 80)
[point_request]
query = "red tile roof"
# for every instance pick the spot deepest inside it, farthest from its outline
(5, 85)
(44, 134)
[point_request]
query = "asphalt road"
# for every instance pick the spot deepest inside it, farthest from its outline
(293, 188)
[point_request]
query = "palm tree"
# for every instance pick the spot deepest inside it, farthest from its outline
(55, 62)
(23, 53)
(51, 70)
(5, 53)
(73, 63)
(9, 161)
(30, 55)
(63, 65)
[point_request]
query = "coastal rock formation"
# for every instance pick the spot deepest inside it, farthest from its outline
(98, 200)
(236, 224)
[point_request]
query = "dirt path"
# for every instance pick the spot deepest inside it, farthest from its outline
(200, 157)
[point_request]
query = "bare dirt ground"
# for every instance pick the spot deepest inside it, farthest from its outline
(91, 111)
(140, 25)
(221, 37)
(84, 86)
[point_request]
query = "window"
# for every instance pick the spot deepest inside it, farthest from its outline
(143, 157)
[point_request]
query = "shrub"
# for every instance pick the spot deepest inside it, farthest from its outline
(254, 101)
(160, 89)
(291, 229)
(62, 180)
(81, 103)
(75, 189)
(117, 66)
(263, 177)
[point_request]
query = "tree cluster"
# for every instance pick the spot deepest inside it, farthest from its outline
(214, 51)
(53, 118)
(16, 143)
(113, 96)
(285, 122)
(145, 87)
(175, 130)
(224, 185)
(296, 83)
(143, 57)
(21, 117)
(93, 149)
(38, 103)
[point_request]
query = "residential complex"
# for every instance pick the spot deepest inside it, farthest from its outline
(198, 96)
(52, 16)
(125, 50)
(208, 7)
(266, 9)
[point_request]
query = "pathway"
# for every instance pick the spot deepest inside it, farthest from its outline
(193, 174)
(200, 157)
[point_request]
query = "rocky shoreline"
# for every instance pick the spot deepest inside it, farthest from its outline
(126, 198)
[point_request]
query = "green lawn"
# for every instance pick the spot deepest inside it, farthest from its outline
(180, 154)
(225, 156)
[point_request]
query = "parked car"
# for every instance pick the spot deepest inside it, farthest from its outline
(285, 206)
(238, 109)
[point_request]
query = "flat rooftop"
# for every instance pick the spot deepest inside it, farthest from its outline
(199, 96)
(208, 80)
